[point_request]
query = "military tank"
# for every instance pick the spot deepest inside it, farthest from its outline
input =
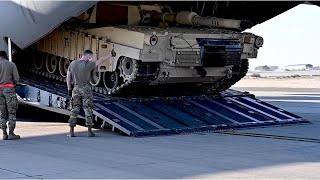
(156, 52)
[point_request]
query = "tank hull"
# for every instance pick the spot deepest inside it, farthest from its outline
(197, 58)
(169, 58)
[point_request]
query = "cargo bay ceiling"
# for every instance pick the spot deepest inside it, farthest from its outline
(255, 11)
(28, 15)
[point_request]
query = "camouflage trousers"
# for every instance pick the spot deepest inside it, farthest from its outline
(81, 97)
(8, 107)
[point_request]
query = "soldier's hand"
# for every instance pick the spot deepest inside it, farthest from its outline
(70, 93)
(113, 53)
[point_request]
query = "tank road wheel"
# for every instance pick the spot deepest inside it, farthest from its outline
(38, 61)
(63, 66)
(111, 81)
(51, 63)
(96, 78)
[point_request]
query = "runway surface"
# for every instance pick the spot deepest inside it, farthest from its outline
(46, 152)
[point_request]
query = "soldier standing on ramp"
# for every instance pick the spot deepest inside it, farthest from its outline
(9, 77)
(80, 71)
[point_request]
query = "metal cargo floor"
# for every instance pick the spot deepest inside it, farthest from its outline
(230, 110)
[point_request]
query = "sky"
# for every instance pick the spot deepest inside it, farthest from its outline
(292, 37)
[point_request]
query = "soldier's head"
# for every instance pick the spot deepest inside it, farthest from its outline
(87, 54)
(3, 55)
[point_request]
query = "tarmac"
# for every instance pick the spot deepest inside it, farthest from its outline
(45, 152)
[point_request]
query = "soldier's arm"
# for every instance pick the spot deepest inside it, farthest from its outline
(104, 58)
(15, 74)
(68, 79)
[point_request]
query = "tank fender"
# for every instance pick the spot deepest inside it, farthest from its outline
(123, 51)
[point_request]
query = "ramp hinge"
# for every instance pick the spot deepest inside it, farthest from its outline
(50, 100)
(38, 95)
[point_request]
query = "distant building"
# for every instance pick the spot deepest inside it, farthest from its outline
(262, 68)
(298, 67)
(266, 68)
(273, 68)
(316, 68)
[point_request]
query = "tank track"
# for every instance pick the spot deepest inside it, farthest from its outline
(238, 72)
(145, 73)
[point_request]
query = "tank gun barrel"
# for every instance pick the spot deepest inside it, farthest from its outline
(193, 19)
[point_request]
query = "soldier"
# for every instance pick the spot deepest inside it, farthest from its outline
(80, 71)
(9, 77)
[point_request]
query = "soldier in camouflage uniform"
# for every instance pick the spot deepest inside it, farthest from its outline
(9, 77)
(80, 71)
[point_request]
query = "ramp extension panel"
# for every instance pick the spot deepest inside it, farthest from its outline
(164, 116)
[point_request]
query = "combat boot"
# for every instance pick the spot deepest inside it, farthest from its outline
(5, 134)
(90, 133)
(71, 133)
(12, 136)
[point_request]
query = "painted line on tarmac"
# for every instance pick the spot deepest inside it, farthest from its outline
(272, 136)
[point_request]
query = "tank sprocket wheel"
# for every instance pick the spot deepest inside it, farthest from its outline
(127, 68)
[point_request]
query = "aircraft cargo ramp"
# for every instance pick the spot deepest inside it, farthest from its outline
(231, 110)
